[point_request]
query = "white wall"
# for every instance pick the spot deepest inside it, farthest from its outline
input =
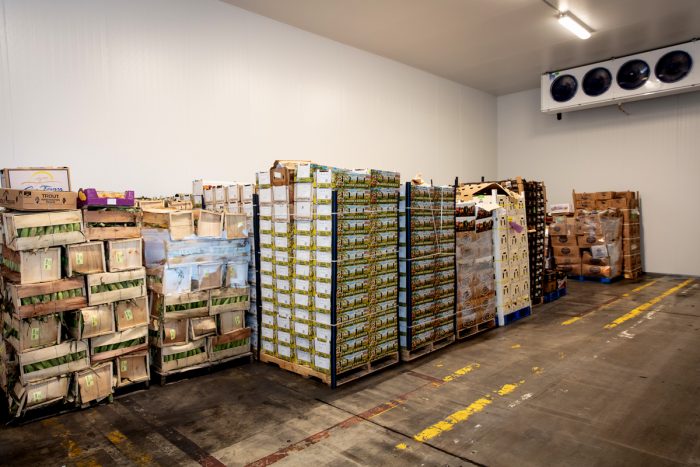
(654, 150)
(151, 94)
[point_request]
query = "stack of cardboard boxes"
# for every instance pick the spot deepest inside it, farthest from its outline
(198, 280)
(426, 262)
(476, 285)
(39, 365)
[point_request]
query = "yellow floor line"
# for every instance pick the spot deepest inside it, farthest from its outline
(625, 295)
(461, 415)
(645, 306)
(461, 372)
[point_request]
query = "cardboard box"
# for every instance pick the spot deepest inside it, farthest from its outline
(37, 200)
(587, 205)
(131, 313)
(95, 383)
(586, 241)
(631, 230)
(563, 260)
(37, 394)
(170, 332)
(28, 334)
(587, 258)
(630, 216)
(604, 195)
(603, 204)
(564, 240)
(570, 269)
(590, 270)
(31, 267)
(631, 246)
(53, 361)
(230, 321)
(619, 203)
(132, 368)
(123, 255)
(583, 197)
(36, 178)
(562, 226)
(91, 321)
(85, 258)
(632, 262)
(566, 251)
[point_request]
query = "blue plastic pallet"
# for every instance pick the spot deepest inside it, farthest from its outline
(517, 315)
(602, 280)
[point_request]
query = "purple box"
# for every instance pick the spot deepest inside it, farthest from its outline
(92, 197)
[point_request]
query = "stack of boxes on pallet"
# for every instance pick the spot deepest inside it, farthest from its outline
(427, 269)
(536, 209)
(198, 280)
(511, 255)
(329, 279)
(116, 321)
(476, 285)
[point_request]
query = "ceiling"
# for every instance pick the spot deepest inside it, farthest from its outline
(498, 46)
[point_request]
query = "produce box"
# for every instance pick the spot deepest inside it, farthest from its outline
(166, 333)
(150, 203)
(37, 394)
(235, 225)
(36, 178)
(34, 300)
(115, 286)
(229, 345)
(230, 321)
(132, 368)
(191, 305)
(236, 273)
(131, 313)
(28, 334)
(167, 359)
(37, 200)
(119, 343)
(112, 223)
(207, 276)
(95, 383)
(229, 299)
(170, 280)
(31, 267)
(179, 224)
(180, 205)
(32, 231)
(123, 255)
(159, 249)
(53, 361)
(93, 197)
(209, 224)
(85, 258)
(89, 322)
(202, 327)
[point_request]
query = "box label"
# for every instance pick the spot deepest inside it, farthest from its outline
(48, 263)
(124, 365)
(79, 259)
(128, 314)
(36, 333)
(89, 380)
(119, 257)
(38, 396)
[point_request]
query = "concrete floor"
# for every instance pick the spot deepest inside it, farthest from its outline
(539, 392)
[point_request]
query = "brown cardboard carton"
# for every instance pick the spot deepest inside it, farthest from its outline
(631, 246)
(630, 216)
(131, 313)
(564, 260)
(632, 262)
(563, 226)
(590, 270)
(28, 334)
(603, 204)
(566, 251)
(91, 321)
(630, 230)
(95, 383)
(619, 203)
(38, 200)
(587, 205)
(583, 196)
(36, 178)
(132, 368)
(586, 258)
(570, 269)
(564, 240)
(586, 241)
(603, 195)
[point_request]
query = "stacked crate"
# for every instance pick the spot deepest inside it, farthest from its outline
(116, 321)
(631, 234)
(330, 288)
(476, 285)
(198, 282)
(511, 253)
(248, 208)
(536, 209)
(39, 366)
(427, 269)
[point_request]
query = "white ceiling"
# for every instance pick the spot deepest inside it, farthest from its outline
(499, 46)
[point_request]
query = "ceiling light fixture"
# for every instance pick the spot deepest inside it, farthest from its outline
(575, 25)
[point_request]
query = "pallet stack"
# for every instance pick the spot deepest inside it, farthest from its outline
(197, 275)
(476, 285)
(427, 315)
(333, 314)
(116, 321)
(512, 264)
(536, 210)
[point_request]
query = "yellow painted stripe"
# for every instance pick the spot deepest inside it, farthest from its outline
(642, 287)
(124, 444)
(461, 415)
(645, 306)
(571, 321)
(461, 372)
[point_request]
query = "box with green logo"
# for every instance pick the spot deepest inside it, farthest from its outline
(94, 384)
(119, 343)
(28, 334)
(132, 368)
(31, 267)
(131, 313)
(123, 255)
(92, 321)
(85, 258)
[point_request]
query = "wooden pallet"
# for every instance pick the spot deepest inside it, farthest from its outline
(367, 368)
(301, 370)
(474, 329)
(208, 365)
(425, 349)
